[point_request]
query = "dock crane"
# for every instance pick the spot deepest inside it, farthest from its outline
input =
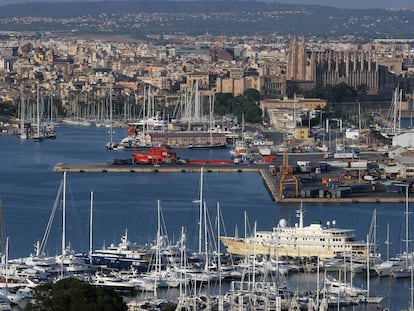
(287, 176)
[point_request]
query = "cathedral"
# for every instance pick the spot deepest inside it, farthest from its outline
(319, 68)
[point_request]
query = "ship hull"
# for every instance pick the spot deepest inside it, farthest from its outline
(240, 247)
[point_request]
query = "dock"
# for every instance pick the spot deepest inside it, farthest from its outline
(170, 168)
(269, 180)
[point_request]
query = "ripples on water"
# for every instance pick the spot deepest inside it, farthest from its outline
(28, 188)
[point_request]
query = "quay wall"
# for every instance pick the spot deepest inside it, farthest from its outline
(269, 180)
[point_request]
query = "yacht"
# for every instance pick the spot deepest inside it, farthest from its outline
(314, 240)
(393, 265)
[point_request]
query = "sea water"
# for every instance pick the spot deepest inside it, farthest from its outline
(128, 201)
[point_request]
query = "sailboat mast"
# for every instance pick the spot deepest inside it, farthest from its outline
(406, 222)
(205, 236)
(110, 111)
(1, 226)
(91, 226)
(200, 220)
(218, 246)
(368, 276)
(387, 242)
(158, 253)
(38, 110)
(64, 215)
(51, 108)
(22, 115)
(211, 121)
(7, 260)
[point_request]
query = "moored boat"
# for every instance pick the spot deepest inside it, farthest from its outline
(298, 241)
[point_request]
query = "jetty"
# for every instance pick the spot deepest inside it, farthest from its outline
(270, 181)
(163, 168)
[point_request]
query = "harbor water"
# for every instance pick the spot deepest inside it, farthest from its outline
(28, 188)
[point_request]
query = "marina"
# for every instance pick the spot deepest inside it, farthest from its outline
(130, 201)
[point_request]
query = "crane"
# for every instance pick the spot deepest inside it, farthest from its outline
(286, 174)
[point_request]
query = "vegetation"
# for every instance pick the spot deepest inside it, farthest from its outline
(8, 109)
(246, 104)
(341, 92)
(72, 294)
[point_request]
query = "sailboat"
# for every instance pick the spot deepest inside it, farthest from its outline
(399, 266)
(111, 145)
(50, 132)
(70, 265)
(392, 126)
(210, 144)
(23, 133)
(38, 135)
(162, 277)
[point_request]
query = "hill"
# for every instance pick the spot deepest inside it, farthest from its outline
(197, 17)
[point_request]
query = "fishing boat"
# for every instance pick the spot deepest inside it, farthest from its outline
(314, 240)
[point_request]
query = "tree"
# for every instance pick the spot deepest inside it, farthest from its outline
(247, 104)
(252, 95)
(72, 294)
(8, 109)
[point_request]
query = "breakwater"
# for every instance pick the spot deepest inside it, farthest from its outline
(269, 180)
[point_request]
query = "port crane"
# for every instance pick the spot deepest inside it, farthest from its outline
(286, 174)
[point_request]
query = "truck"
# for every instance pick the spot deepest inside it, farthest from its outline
(304, 166)
(359, 164)
(345, 155)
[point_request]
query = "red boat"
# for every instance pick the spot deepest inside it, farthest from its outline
(155, 155)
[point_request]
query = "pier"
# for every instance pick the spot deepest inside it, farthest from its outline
(269, 180)
(170, 168)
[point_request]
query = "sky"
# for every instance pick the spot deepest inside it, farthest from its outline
(358, 4)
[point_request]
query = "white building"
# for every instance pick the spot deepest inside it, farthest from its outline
(404, 140)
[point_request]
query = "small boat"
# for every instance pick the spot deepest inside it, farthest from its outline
(333, 286)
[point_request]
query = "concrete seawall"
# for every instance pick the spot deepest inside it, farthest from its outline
(269, 180)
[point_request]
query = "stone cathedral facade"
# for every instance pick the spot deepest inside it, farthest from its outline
(319, 68)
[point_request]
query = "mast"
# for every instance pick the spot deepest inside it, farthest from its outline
(359, 118)
(200, 220)
(64, 216)
(205, 237)
(1, 226)
(211, 121)
(218, 246)
(399, 112)
(110, 113)
(38, 111)
(158, 254)
(406, 222)
(388, 242)
(368, 276)
(90, 227)
(22, 132)
(7, 260)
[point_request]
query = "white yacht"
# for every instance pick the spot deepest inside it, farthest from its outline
(314, 240)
